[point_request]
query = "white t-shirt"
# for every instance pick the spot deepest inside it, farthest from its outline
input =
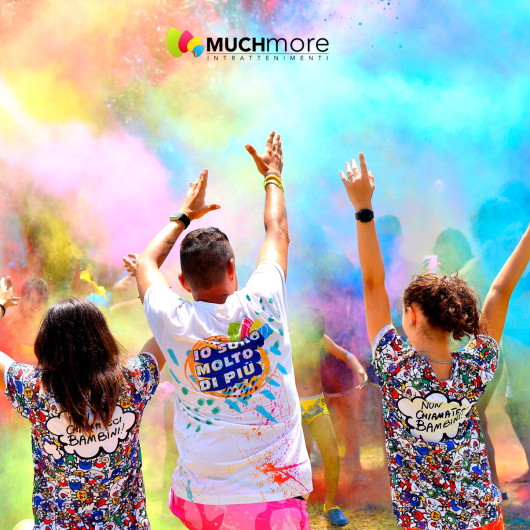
(237, 413)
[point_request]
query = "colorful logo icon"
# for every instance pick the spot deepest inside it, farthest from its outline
(179, 43)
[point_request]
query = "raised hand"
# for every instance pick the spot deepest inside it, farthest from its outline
(194, 205)
(271, 161)
(359, 185)
(6, 292)
(129, 262)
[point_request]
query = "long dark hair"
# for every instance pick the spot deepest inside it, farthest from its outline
(80, 362)
(447, 302)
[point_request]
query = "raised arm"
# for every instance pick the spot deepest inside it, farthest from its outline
(276, 242)
(149, 263)
(6, 300)
(498, 298)
(360, 188)
(348, 358)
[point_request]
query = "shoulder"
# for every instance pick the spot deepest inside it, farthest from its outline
(480, 349)
(388, 337)
(142, 361)
(157, 295)
(389, 347)
(21, 373)
(268, 277)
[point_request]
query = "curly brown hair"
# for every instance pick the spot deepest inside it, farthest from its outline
(447, 302)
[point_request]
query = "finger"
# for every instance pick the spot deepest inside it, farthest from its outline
(212, 207)
(9, 282)
(251, 150)
(349, 171)
(270, 139)
(16, 298)
(134, 255)
(355, 168)
(3, 283)
(364, 169)
(253, 153)
(14, 303)
(345, 180)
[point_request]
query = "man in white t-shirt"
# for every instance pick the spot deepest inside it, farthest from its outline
(242, 458)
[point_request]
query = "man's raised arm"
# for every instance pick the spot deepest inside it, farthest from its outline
(270, 165)
(149, 263)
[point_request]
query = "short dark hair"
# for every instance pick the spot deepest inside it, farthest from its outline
(204, 255)
(34, 283)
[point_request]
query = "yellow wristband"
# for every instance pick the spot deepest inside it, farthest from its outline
(273, 182)
(273, 177)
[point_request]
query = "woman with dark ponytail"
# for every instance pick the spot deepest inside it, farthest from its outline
(438, 466)
(85, 403)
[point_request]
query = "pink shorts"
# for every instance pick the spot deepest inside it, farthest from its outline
(289, 514)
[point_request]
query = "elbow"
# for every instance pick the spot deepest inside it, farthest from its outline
(143, 261)
(372, 282)
(279, 229)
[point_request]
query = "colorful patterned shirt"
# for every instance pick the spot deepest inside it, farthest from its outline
(438, 466)
(88, 482)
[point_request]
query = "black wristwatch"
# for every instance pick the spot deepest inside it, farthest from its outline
(365, 215)
(179, 216)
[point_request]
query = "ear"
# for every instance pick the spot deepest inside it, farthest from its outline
(411, 315)
(231, 269)
(184, 283)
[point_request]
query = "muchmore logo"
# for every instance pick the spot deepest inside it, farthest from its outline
(179, 42)
(249, 48)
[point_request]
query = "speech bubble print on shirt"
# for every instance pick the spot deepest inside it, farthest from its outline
(222, 368)
(433, 416)
(89, 445)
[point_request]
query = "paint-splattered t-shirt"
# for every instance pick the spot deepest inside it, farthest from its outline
(439, 472)
(237, 414)
(93, 482)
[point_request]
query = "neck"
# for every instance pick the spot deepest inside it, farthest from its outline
(437, 348)
(215, 295)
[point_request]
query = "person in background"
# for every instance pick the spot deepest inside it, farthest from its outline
(128, 316)
(453, 251)
(496, 235)
(229, 354)
(17, 336)
(439, 472)
(85, 409)
(309, 342)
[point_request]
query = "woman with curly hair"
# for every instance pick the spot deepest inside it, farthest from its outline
(439, 473)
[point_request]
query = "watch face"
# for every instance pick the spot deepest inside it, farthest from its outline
(365, 216)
